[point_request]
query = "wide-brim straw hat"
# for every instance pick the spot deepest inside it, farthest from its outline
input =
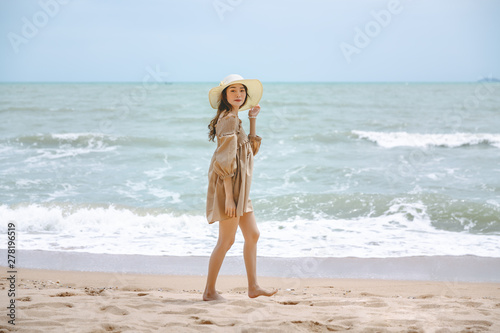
(254, 91)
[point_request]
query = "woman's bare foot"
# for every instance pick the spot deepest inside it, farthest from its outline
(212, 296)
(258, 291)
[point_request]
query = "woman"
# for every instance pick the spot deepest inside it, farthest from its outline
(230, 177)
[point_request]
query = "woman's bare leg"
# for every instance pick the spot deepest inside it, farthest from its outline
(227, 232)
(251, 233)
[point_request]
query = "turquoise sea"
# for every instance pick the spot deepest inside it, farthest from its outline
(344, 170)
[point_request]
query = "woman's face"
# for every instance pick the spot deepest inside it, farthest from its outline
(236, 95)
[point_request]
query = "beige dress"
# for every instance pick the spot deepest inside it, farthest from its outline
(233, 158)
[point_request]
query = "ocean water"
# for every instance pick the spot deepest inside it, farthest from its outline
(344, 170)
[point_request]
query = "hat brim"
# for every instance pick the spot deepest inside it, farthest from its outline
(254, 93)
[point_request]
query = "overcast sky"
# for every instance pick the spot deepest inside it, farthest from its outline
(273, 40)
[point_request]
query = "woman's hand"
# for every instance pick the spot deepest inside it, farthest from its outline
(254, 111)
(230, 207)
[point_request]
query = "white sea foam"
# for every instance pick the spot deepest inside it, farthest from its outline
(404, 229)
(4, 149)
(71, 145)
(83, 135)
(53, 154)
(26, 183)
(452, 140)
(158, 173)
(107, 230)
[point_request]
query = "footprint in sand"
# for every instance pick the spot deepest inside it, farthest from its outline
(145, 306)
(315, 326)
(375, 303)
(44, 305)
(178, 301)
(114, 328)
(94, 292)
(186, 311)
(332, 303)
(369, 294)
(289, 302)
(114, 310)
(431, 306)
(47, 325)
(475, 323)
(247, 303)
(201, 321)
(473, 304)
(211, 322)
(63, 294)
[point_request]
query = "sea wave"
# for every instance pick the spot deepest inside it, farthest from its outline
(57, 139)
(404, 228)
(450, 140)
(84, 139)
(438, 211)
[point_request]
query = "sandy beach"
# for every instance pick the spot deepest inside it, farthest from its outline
(71, 301)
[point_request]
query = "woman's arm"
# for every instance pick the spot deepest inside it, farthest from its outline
(253, 121)
(229, 205)
(228, 187)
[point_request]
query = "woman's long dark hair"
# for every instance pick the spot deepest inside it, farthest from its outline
(225, 107)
